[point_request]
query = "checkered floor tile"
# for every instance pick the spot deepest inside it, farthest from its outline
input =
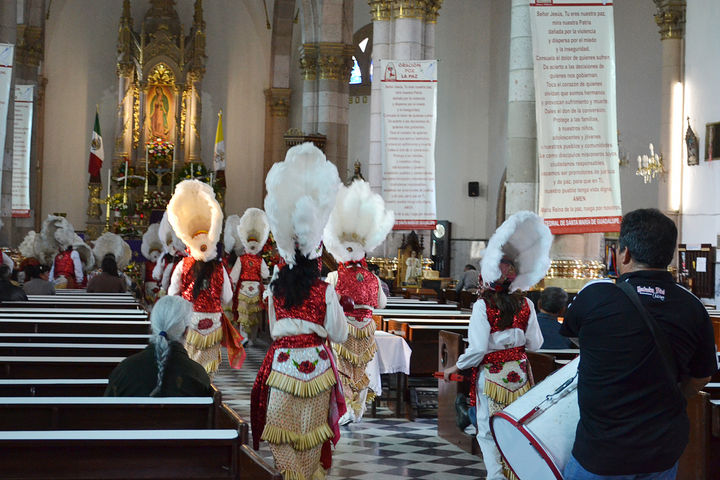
(375, 449)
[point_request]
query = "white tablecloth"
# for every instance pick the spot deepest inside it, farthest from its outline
(392, 356)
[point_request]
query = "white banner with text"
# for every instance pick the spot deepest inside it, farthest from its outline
(409, 112)
(22, 134)
(7, 51)
(576, 112)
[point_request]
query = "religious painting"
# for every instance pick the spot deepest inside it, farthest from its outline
(712, 141)
(160, 116)
(691, 141)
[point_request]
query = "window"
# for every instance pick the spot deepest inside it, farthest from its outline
(361, 75)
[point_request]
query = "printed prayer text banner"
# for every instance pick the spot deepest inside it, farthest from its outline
(7, 51)
(22, 133)
(574, 62)
(409, 109)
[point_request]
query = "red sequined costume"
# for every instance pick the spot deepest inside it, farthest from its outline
(247, 305)
(206, 330)
(64, 266)
(296, 400)
(500, 367)
(354, 280)
(151, 285)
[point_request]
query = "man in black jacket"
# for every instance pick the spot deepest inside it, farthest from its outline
(8, 291)
(632, 413)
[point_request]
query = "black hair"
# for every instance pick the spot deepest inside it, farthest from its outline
(109, 265)
(509, 305)
(4, 273)
(32, 271)
(202, 273)
(649, 236)
(374, 269)
(293, 284)
(553, 300)
(470, 266)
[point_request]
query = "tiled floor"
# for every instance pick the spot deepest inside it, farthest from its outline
(375, 449)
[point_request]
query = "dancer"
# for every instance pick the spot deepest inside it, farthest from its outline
(173, 253)
(151, 248)
(358, 224)
(249, 271)
(73, 256)
(503, 325)
(201, 278)
(297, 399)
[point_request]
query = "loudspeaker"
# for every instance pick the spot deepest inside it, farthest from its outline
(473, 189)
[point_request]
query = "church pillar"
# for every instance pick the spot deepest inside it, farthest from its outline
(670, 17)
(382, 31)
(8, 34)
(409, 34)
(192, 147)
(521, 184)
(277, 123)
(308, 66)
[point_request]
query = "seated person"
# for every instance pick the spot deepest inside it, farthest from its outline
(552, 304)
(9, 292)
(163, 369)
(36, 281)
(375, 270)
(469, 280)
(109, 280)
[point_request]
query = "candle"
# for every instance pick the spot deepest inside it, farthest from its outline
(146, 171)
(652, 150)
(639, 162)
(172, 179)
(127, 165)
(107, 199)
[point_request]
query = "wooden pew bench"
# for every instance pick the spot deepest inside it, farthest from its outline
(53, 387)
(71, 304)
(126, 338)
(70, 349)
(398, 326)
(29, 325)
(57, 367)
(74, 313)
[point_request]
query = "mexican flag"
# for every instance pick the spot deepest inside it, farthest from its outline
(97, 152)
(219, 155)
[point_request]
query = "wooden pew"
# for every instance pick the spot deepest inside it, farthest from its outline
(75, 313)
(422, 306)
(253, 466)
(126, 338)
(423, 339)
(53, 387)
(30, 325)
(57, 367)
(71, 304)
(398, 325)
(414, 313)
(69, 349)
(120, 454)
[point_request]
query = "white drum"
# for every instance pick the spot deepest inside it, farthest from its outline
(536, 432)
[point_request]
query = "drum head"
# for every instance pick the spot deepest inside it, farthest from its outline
(525, 453)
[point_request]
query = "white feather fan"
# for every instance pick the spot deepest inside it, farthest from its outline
(301, 193)
(151, 246)
(172, 244)
(358, 223)
(230, 239)
(526, 240)
(253, 230)
(112, 243)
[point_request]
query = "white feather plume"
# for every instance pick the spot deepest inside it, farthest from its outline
(86, 254)
(359, 222)
(301, 193)
(172, 244)
(196, 217)
(230, 239)
(253, 224)
(27, 247)
(112, 243)
(151, 246)
(526, 240)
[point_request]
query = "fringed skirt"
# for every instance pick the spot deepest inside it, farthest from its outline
(353, 356)
(203, 340)
(297, 412)
(249, 308)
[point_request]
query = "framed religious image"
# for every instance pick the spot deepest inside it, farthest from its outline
(712, 141)
(691, 141)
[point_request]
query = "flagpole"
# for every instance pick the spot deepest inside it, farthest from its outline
(107, 201)
(127, 165)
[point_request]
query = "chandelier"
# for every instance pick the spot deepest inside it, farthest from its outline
(651, 166)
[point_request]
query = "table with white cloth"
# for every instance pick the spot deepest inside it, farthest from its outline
(392, 356)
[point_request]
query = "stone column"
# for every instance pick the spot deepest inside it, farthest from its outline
(382, 33)
(521, 184)
(309, 66)
(670, 17)
(431, 16)
(408, 26)
(8, 34)
(277, 123)
(194, 114)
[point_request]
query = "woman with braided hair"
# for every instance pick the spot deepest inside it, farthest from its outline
(163, 369)
(503, 326)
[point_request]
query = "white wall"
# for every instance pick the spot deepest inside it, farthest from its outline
(701, 198)
(80, 67)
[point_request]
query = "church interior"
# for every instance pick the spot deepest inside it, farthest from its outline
(115, 102)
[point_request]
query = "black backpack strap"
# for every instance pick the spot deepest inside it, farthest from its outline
(661, 340)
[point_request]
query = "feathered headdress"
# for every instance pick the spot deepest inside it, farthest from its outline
(522, 241)
(112, 243)
(358, 223)
(196, 217)
(253, 230)
(27, 247)
(230, 239)
(301, 193)
(171, 243)
(151, 246)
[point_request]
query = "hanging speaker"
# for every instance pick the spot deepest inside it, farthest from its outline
(473, 189)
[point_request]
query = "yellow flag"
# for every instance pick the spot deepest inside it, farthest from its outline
(219, 155)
